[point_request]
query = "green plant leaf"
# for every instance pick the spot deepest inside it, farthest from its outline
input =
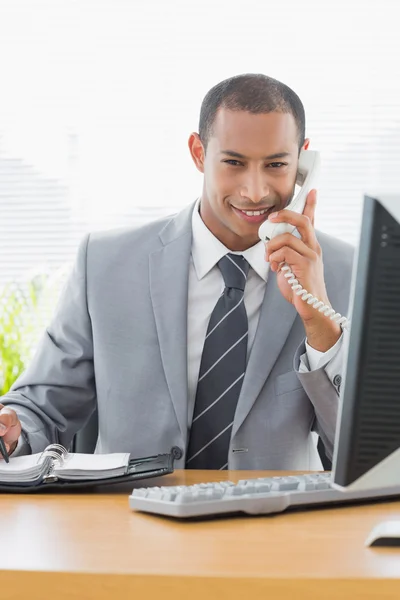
(25, 310)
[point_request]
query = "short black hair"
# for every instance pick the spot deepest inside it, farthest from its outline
(254, 93)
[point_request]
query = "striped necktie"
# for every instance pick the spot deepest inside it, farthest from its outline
(222, 369)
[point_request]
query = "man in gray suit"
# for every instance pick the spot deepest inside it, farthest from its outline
(184, 333)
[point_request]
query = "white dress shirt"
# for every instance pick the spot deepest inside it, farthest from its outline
(206, 285)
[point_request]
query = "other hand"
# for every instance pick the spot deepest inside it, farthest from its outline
(10, 428)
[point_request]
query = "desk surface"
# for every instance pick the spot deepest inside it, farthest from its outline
(93, 546)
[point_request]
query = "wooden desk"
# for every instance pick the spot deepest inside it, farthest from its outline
(92, 546)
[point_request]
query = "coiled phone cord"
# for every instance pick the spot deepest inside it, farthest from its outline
(310, 299)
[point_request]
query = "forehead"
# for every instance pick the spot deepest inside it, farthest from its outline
(254, 134)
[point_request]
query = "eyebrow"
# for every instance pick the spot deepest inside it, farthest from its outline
(270, 157)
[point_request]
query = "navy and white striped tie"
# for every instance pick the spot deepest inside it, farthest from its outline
(222, 368)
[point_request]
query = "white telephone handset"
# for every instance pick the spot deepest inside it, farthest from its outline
(307, 171)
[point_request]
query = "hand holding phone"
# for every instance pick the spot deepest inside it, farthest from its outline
(307, 171)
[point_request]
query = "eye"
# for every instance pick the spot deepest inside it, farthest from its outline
(232, 162)
(277, 165)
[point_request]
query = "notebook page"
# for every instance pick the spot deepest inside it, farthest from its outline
(19, 463)
(23, 468)
(93, 466)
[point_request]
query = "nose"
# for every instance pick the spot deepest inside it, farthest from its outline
(254, 187)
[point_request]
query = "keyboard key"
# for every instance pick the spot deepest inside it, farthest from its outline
(262, 487)
(184, 497)
(140, 493)
(238, 490)
(155, 494)
(285, 484)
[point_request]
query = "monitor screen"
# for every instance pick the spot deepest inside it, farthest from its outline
(368, 431)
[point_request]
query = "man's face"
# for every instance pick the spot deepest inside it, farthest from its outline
(250, 165)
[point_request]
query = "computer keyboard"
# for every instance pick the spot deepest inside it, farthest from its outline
(263, 495)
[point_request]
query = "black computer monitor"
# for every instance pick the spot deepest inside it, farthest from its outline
(367, 444)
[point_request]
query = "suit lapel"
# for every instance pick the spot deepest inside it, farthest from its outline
(276, 320)
(169, 275)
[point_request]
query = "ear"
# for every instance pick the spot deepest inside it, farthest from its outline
(197, 151)
(306, 143)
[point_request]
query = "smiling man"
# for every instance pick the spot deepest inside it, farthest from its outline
(184, 333)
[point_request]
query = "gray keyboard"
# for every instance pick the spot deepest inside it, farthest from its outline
(263, 495)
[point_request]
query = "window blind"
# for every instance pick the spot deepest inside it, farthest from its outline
(98, 100)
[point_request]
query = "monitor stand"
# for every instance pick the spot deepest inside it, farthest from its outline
(386, 474)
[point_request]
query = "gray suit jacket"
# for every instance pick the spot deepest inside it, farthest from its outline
(118, 338)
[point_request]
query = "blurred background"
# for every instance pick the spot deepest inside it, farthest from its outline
(98, 98)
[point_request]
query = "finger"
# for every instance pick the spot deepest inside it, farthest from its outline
(287, 240)
(274, 265)
(289, 256)
(302, 223)
(310, 206)
(8, 419)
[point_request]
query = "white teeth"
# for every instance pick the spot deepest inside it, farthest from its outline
(254, 213)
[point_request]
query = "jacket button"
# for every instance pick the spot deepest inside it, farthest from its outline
(176, 452)
(337, 380)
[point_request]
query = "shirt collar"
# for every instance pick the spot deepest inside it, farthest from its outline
(207, 250)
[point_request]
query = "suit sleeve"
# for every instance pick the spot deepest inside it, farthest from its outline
(322, 386)
(56, 395)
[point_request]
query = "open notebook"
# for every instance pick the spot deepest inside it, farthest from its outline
(56, 465)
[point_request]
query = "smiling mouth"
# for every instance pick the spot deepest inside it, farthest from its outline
(255, 213)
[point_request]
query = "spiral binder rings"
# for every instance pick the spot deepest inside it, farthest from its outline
(56, 468)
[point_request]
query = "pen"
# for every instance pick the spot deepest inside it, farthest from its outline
(3, 450)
